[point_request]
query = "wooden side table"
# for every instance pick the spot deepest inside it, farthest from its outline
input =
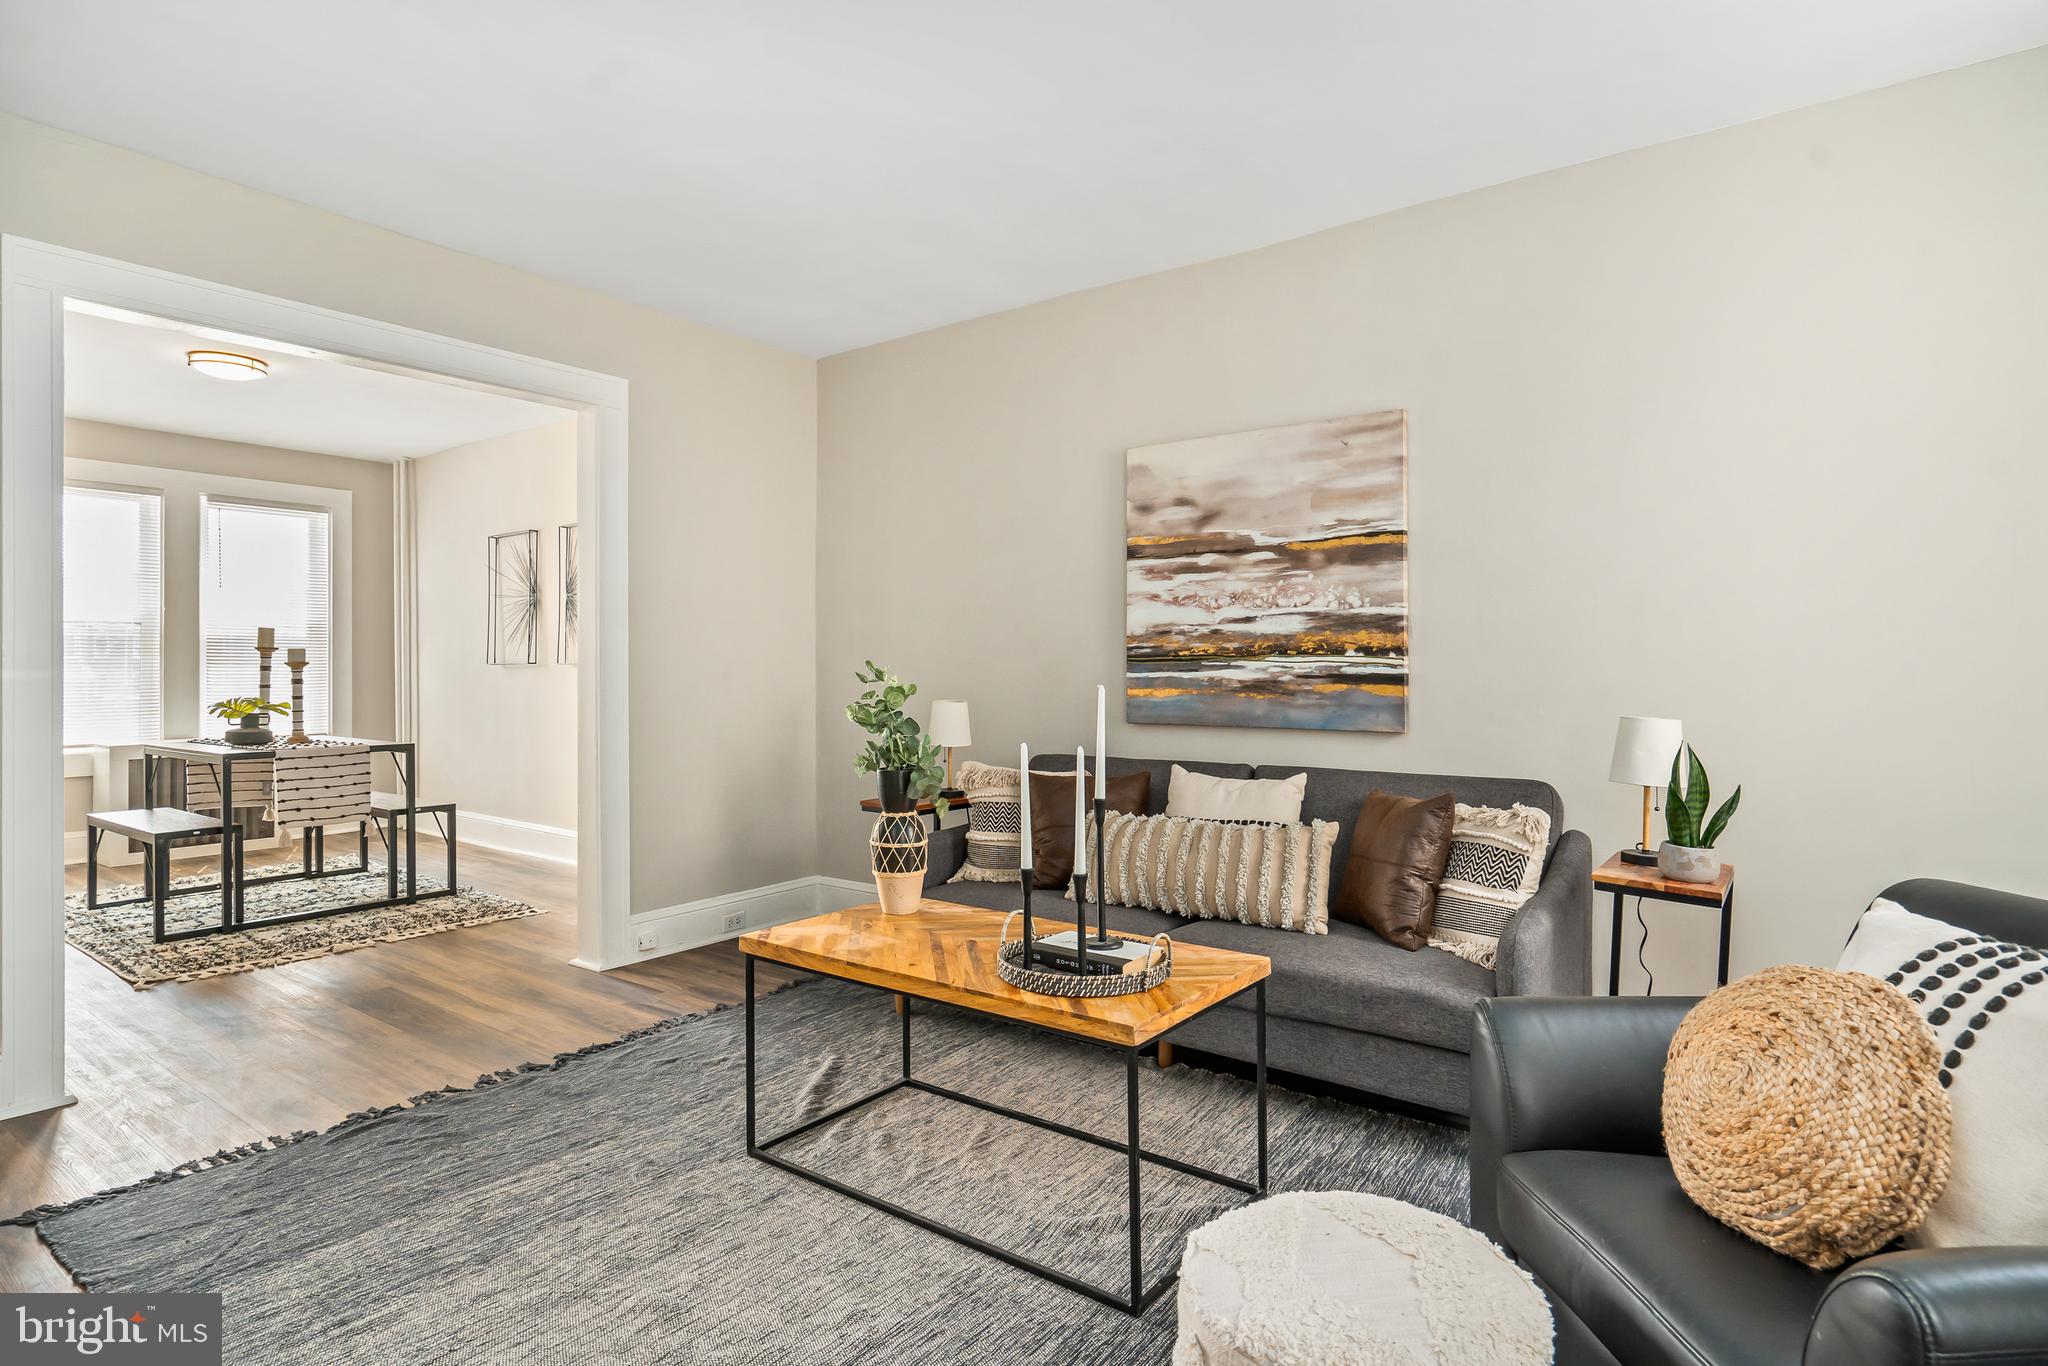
(1631, 879)
(873, 806)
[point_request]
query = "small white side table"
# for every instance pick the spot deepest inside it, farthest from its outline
(1344, 1279)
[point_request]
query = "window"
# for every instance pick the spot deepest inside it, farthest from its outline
(113, 616)
(265, 565)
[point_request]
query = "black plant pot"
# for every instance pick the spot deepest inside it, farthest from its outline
(895, 788)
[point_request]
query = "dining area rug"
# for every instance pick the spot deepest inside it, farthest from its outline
(602, 1206)
(119, 938)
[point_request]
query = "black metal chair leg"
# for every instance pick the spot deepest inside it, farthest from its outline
(391, 860)
(160, 887)
(363, 846)
(452, 884)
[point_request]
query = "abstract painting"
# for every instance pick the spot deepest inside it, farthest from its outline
(565, 618)
(1266, 578)
(514, 565)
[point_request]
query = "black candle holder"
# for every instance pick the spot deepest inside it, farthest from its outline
(1080, 961)
(1102, 938)
(1081, 941)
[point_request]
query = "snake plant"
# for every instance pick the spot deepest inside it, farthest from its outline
(1686, 807)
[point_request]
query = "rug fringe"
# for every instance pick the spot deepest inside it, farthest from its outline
(394, 937)
(33, 1218)
(509, 910)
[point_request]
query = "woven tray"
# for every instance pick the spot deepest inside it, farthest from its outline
(1010, 966)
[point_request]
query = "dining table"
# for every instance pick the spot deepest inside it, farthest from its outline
(224, 758)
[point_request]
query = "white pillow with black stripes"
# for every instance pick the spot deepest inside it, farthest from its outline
(1987, 1003)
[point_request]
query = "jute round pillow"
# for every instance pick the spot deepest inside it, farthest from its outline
(1802, 1108)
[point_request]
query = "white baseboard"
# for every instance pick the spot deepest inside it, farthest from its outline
(550, 842)
(697, 923)
(843, 893)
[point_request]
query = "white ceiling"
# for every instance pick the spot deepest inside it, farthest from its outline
(822, 175)
(136, 375)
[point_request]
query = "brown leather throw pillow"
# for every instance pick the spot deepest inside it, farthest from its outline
(1396, 860)
(1052, 819)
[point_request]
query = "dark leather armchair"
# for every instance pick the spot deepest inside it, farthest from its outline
(1569, 1174)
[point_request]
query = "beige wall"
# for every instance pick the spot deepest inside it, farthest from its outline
(723, 435)
(368, 484)
(497, 740)
(1744, 429)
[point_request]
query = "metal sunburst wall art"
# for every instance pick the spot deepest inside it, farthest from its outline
(566, 620)
(514, 598)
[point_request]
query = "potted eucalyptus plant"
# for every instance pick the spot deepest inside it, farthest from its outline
(253, 716)
(907, 770)
(1687, 854)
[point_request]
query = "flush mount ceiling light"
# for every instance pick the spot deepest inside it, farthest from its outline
(227, 364)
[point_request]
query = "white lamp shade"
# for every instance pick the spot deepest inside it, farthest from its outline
(949, 724)
(1644, 747)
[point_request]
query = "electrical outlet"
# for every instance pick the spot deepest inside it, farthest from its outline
(644, 941)
(735, 920)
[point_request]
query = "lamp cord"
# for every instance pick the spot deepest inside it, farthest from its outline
(1649, 978)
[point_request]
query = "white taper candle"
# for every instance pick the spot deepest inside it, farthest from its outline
(1024, 807)
(1080, 811)
(1101, 742)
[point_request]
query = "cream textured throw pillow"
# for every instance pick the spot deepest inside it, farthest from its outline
(1277, 876)
(995, 802)
(1273, 801)
(1987, 1004)
(1495, 864)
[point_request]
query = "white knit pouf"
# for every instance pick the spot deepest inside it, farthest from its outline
(1334, 1278)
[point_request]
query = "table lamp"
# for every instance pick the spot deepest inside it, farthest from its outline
(1644, 747)
(949, 728)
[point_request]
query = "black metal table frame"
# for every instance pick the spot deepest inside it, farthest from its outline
(1139, 1298)
(1727, 906)
(233, 885)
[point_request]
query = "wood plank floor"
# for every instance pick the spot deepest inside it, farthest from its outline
(186, 1069)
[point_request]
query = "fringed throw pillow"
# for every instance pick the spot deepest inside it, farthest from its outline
(1276, 876)
(994, 807)
(1495, 864)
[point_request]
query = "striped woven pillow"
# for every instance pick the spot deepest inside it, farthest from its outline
(1495, 864)
(994, 804)
(1276, 876)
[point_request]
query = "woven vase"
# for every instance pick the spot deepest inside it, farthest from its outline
(1802, 1108)
(898, 851)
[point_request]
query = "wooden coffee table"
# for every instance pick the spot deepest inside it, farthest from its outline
(947, 953)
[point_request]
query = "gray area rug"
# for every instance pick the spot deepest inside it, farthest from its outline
(118, 939)
(603, 1208)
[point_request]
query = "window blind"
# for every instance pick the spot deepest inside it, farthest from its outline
(113, 616)
(265, 565)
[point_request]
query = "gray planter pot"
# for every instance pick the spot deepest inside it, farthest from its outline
(253, 731)
(1680, 863)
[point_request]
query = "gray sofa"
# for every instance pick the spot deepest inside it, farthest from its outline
(1348, 1007)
